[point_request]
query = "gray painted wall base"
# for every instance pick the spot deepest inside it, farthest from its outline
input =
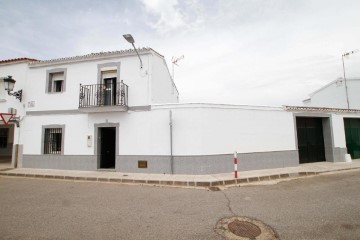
(63, 162)
(155, 164)
(339, 154)
(210, 164)
(268, 160)
(196, 165)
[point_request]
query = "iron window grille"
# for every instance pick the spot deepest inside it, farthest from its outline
(53, 141)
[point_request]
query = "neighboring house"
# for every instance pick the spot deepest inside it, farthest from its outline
(337, 94)
(102, 111)
(345, 95)
(18, 69)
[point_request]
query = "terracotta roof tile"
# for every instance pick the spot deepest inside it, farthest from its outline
(18, 60)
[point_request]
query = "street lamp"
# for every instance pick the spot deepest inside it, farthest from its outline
(131, 40)
(9, 83)
(346, 88)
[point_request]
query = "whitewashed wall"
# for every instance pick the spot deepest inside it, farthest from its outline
(334, 95)
(76, 131)
(86, 73)
(338, 130)
(214, 129)
(140, 133)
(354, 93)
(19, 72)
(163, 89)
(197, 130)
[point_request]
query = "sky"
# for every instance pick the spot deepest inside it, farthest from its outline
(244, 52)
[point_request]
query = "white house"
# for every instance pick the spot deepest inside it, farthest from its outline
(9, 134)
(337, 94)
(105, 111)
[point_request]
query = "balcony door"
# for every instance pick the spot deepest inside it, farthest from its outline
(110, 91)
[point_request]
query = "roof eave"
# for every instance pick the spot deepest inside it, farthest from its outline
(320, 109)
(91, 57)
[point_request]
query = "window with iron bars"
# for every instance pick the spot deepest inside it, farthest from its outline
(53, 141)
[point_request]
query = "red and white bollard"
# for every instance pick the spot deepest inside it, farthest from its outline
(235, 164)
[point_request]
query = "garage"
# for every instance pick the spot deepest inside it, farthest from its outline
(352, 133)
(310, 139)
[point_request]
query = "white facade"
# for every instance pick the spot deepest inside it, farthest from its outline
(18, 70)
(337, 94)
(85, 71)
(210, 129)
(197, 139)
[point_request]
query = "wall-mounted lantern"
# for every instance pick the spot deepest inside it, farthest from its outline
(9, 84)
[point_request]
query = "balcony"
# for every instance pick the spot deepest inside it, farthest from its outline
(109, 97)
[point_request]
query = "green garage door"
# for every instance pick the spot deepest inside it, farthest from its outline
(352, 132)
(310, 139)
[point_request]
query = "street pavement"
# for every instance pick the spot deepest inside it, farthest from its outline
(319, 207)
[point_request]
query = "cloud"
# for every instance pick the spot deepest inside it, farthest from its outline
(169, 16)
(236, 51)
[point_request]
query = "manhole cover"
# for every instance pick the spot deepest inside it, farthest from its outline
(244, 229)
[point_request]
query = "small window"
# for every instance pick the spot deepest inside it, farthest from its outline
(4, 133)
(58, 86)
(53, 141)
(56, 80)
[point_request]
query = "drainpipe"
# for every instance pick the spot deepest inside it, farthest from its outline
(171, 145)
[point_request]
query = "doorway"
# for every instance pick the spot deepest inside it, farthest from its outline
(352, 133)
(6, 145)
(110, 91)
(310, 139)
(107, 147)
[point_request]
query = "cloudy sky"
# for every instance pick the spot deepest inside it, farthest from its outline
(256, 52)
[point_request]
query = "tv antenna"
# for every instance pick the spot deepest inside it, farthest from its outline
(175, 61)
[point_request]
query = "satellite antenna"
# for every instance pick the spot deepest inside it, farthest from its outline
(174, 61)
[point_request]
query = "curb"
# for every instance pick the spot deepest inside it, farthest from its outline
(169, 183)
(202, 184)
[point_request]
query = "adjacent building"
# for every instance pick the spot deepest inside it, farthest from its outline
(106, 111)
(337, 94)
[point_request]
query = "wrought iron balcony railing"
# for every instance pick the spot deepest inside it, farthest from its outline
(108, 94)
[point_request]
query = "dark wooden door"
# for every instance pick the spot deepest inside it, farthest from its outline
(352, 133)
(107, 147)
(310, 139)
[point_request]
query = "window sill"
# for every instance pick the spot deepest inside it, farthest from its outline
(55, 92)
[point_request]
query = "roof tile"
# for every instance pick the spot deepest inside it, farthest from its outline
(18, 60)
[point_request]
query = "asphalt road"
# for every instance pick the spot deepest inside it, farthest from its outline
(321, 207)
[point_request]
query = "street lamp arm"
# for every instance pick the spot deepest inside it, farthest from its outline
(131, 40)
(141, 64)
